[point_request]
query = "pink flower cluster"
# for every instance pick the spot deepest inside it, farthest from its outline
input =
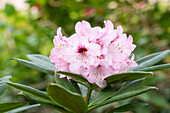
(94, 52)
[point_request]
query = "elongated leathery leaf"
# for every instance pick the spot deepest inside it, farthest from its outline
(111, 92)
(75, 76)
(154, 98)
(42, 57)
(148, 57)
(29, 90)
(3, 87)
(130, 86)
(44, 102)
(156, 68)
(35, 66)
(128, 94)
(75, 84)
(8, 106)
(71, 101)
(65, 83)
(128, 107)
(127, 76)
(103, 95)
(23, 108)
(41, 60)
(5, 79)
(153, 60)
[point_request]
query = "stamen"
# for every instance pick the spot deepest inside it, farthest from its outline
(101, 57)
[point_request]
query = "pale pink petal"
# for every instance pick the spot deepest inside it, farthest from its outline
(108, 25)
(130, 39)
(119, 30)
(83, 41)
(70, 55)
(84, 71)
(94, 49)
(74, 68)
(83, 28)
(59, 34)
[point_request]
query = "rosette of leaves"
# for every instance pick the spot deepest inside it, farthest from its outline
(76, 95)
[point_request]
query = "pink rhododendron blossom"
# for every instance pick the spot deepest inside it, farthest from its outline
(94, 52)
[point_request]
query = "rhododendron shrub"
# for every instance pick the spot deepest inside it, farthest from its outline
(93, 61)
(94, 52)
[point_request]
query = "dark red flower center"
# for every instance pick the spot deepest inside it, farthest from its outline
(82, 50)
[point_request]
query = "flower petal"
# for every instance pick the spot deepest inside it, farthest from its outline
(83, 28)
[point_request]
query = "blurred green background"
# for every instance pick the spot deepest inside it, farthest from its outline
(28, 27)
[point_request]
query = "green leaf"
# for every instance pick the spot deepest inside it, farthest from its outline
(129, 86)
(9, 9)
(75, 84)
(156, 68)
(42, 57)
(71, 101)
(65, 83)
(35, 66)
(44, 102)
(23, 108)
(29, 90)
(128, 94)
(8, 106)
(5, 79)
(128, 107)
(75, 76)
(155, 99)
(41, 60)
(110, 92)
(102, 95)
(126, 76)
(3, 87)
(148, 57)
(149, 61)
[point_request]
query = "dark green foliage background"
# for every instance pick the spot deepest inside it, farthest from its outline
(25, 32)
